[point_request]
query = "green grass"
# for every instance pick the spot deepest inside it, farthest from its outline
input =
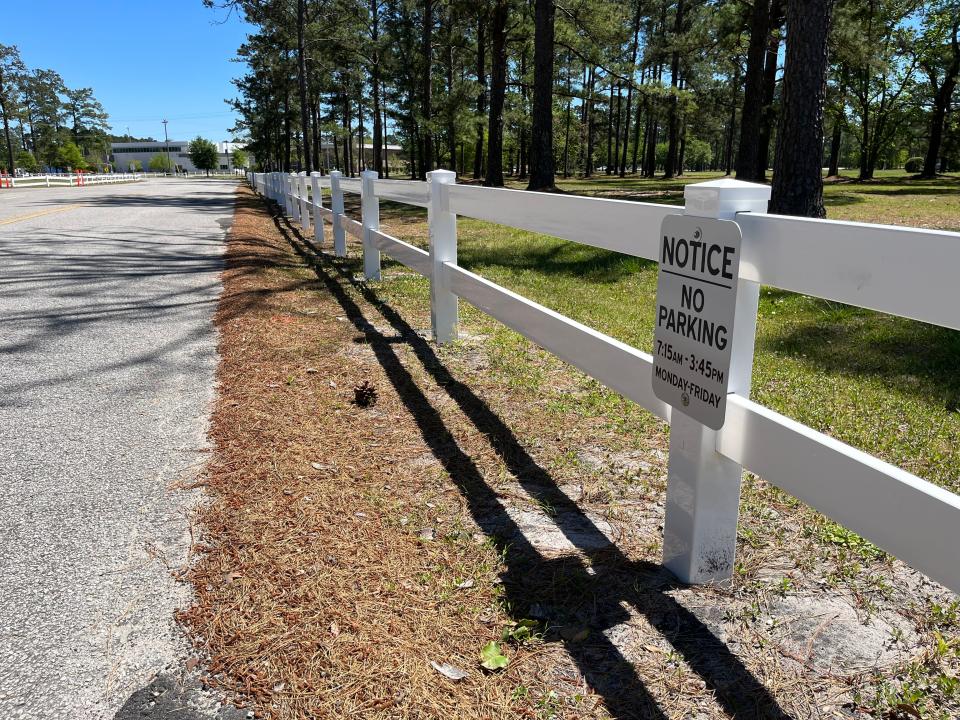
(885, 385)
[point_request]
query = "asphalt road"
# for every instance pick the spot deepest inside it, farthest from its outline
(107, 360)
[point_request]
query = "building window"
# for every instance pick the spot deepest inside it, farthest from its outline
(132, 150)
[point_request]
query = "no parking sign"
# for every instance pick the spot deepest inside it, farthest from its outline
(696, 304)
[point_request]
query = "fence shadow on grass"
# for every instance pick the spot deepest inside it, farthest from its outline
(594, 595)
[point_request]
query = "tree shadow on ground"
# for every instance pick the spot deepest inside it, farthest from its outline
(61, 290)
(591, 593)
(913, 356)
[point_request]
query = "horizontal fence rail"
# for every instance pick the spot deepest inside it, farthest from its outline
(409, 192)
(410, 255)
(906, 272)
(611, 225)
(902, 271)
(68, 180)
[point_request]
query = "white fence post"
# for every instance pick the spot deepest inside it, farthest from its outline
(317, 199)
(703, 486)
(336, 205)
(443, 248)
(370, 218)
(304, 207)
(293, 185)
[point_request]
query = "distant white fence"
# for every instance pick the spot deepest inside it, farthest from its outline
(908, 272)
(67, 180)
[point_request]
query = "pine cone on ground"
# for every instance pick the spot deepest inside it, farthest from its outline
(364, 394)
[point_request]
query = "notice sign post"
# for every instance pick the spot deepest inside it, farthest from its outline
(696, 304)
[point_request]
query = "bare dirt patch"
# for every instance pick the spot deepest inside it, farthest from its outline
(350, 556)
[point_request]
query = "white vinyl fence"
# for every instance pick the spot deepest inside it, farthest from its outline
(68, 180)
(908, 272)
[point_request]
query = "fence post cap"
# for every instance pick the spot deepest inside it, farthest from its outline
(335, 173)
(316, 173)
(303, 173)
(441, 176)
(369, 174)
(724, 198)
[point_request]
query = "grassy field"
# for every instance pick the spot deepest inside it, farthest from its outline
(883, 384)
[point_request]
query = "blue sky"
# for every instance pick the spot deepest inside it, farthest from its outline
(145, 60)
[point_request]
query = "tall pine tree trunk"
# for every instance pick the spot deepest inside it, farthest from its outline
(498, 88)
(347, 136)
(414, 135)
(4, 108)
(302, 83)
(6, 129)
(566, 131)
(768, 115)
(748, 154)
(522, 140)
(732, 124)
(386, 150)
(633, 73)
(653, 133)
(609, 161)
(634, 161)
(941, 102)
(616, 143)
(481, 96)
(315, 132)
(797, 178)
(542, 167)
(361, 155)
(588, 157)
(835, 142)
(375, 87)
(450, 113)
(673, 137)
(426, 89)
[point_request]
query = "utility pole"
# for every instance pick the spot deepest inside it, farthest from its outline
(166, 143)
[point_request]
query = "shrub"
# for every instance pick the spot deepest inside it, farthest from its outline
(913, 165)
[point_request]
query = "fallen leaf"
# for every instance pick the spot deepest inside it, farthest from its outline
(312, 370)
(334, 629)
(449, 671)
(468, 583)
(492, 658)
(427, 534)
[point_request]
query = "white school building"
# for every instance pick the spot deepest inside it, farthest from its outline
(125, 153)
